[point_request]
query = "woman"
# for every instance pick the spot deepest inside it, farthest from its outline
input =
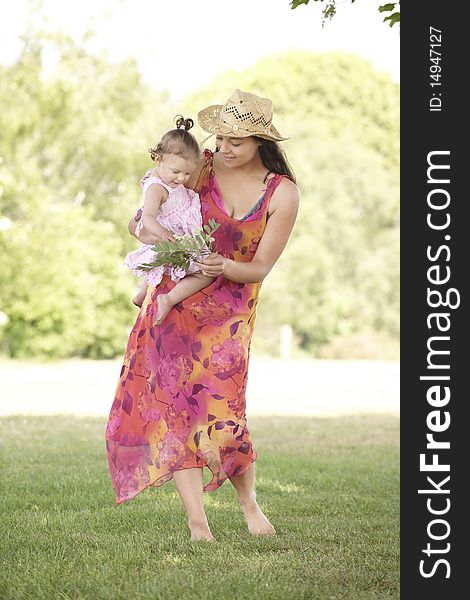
(180, 402)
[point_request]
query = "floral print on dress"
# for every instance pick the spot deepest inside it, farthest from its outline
(148, 407)
(180, 401)
(208, 311)
(228, 358)
(173, 372)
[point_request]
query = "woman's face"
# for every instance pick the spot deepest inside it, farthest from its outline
(237, 152)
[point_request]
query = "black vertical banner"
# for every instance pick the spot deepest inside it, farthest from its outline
(435, 258)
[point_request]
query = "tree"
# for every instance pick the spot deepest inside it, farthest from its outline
(74, 147)
(329, 10)
(338, 277)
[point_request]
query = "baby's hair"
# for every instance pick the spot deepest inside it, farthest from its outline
(178, 141)
(182, 123)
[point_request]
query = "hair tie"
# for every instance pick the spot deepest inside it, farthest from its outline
(182, 123)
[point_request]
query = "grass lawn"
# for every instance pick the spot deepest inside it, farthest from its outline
(329, 486)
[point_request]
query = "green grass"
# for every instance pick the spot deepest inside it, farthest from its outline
(329, 486)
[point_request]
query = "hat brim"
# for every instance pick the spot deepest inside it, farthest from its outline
(209, 120)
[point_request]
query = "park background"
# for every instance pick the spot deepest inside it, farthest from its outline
(85, 89)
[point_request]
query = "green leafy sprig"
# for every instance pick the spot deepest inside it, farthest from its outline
(187, 247)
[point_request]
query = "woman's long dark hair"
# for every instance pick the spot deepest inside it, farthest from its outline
(274, 159)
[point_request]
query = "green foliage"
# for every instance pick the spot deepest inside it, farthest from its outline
(394, 17)
(65, 293)
(335, 92)
(296, 3)
(338, 277)
(187, 247)
(329, 10)
(73, 149)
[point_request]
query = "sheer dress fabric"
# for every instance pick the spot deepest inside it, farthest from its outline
(180, 213)
(180, 400)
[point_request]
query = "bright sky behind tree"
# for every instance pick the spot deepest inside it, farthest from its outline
(181, 44)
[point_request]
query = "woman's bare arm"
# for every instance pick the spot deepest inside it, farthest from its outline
(284, 207)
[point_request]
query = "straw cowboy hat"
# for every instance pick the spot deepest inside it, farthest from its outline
(243, 114)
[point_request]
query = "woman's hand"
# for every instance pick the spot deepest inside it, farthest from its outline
(213, 265)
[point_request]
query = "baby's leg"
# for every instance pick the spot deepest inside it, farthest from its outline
(140, 296)
(186, 287)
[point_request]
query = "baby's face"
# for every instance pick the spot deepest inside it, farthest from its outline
(175, 170)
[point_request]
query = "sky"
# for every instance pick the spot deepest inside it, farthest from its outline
(181, 44)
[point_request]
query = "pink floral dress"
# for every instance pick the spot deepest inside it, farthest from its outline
(180, 213)
(180, 401)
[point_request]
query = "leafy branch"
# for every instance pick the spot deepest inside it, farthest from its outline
(187, 247)
(395, 16)
(329, 10)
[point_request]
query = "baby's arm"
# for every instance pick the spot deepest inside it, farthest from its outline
(154, 196)
(143, 236)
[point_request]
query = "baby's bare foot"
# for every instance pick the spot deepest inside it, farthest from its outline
(164, 305)
(138, 300)
(258, 523)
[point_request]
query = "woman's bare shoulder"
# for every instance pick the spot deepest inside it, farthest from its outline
(285, 196)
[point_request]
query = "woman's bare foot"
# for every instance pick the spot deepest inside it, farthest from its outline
(200, 531)
(258, 523)
(164, 305)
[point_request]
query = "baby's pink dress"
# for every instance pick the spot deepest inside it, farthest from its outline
(181, 213)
